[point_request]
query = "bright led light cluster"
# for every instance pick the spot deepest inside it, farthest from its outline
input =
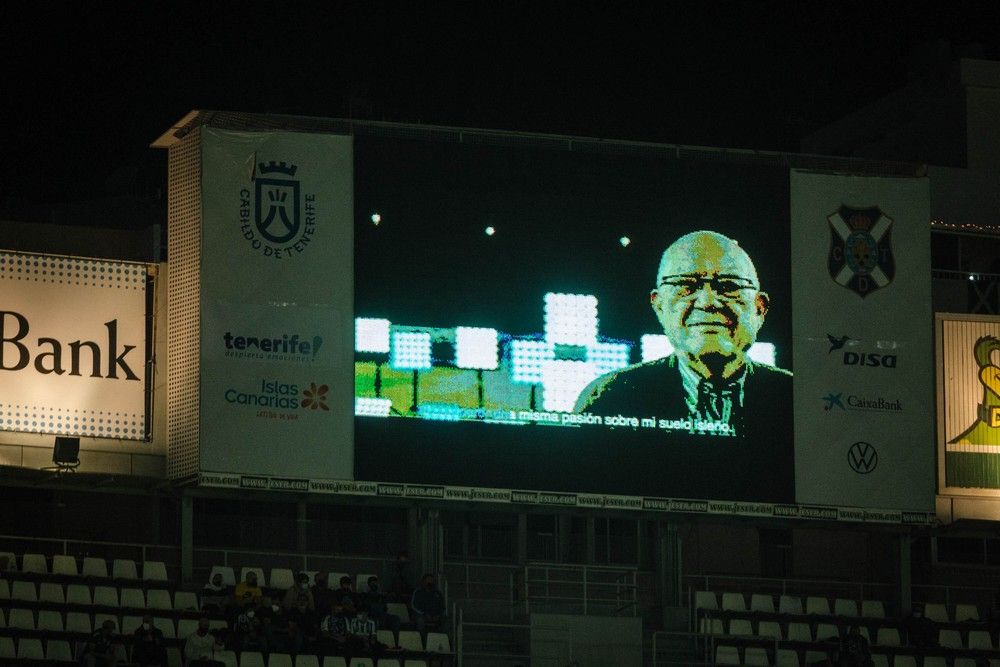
(371, 335)
(476, 347)
(563, 382)
(372, 407)
(763, 353)
(440, 412)
(570, 319)
(527, 359)
(607, 357)
(411, 350)
(655, 346)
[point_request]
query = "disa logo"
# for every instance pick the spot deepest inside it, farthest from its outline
(276, 219)
(859, 357)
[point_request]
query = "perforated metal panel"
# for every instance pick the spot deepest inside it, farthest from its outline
(184, 320)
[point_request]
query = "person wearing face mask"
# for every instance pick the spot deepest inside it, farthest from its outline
(199, 647)
(215, 595)
(374, 603)
(322, 595)
(147, 644)
(296, 592)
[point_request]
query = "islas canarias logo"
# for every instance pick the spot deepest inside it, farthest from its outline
(276, 218)
(985, 430)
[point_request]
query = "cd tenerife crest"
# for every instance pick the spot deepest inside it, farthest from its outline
(860, 256)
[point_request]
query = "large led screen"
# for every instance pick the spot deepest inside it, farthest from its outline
(563, 320)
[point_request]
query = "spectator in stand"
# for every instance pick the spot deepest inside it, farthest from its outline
(322, 595)
(147, 644)
(101, 649)
(427, 604)
(215, 594)
(374, 603)
(269, 616)
(332, 638)
(854, 649)
(199, 647)
(400, 576)
(247, 634)
(248, 587)
(295, 594)
(301, 624)
(344, 596)
(922, 631)
(361, 635)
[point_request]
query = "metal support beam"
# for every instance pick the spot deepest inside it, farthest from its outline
(301, 524)
(905, 574)
(187, 538)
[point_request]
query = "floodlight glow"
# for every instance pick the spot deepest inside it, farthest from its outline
(571, 319)
(527, 358)
(655, 346)
(411, 350)
(490, 231)
(476, 347)
(625, 241)
(371, 335)
(563, 381)
(607, 357)
(372, 407)
(763, 353)
(376, 218)
(440, 412)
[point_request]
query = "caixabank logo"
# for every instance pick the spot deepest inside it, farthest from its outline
(273, 399)
(276, 218)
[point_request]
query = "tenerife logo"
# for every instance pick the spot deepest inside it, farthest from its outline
(862, 457)
(272, 348)
(860, 256)
(837, 402)
(280, 400)
(277, 220)
(985, 430)
(50, 356)
(859, 357)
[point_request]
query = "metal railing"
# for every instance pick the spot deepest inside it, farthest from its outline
(582, 589)
(461, 627)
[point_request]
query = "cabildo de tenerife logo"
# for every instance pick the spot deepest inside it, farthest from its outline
(283, 347)
(273, 399)
(276, 218)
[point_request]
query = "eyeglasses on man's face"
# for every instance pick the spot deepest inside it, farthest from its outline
(687, 285)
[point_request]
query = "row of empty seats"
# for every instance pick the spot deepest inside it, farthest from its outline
(730, 655)
(121, 568)
(102, 596)
(60, 650)
(802, 632)
(793, 604)
(74, 621)
(283, 578)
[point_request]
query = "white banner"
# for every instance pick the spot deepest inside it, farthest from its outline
(73, 349)
(862, 341)
(277, 371)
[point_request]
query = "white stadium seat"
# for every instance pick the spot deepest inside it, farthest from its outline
(361, 582)
(154, 570)
(437, 642)
(279, 660)
(770, 629)
(826, 631)
(904, 661)
(186, 601)
(50, 620)
(739, 626)
(842, 607)
(227, 658)
(727, 655)
(65, 565)
(259, 571)
(733, 602)
(7, 648)
(762, 602)
(186, 627)
(21, 619)
(385, 637)
(282, 578)
(228, 576)
(166, 626)
(787, 658)
(409, 640)
(966, 612)
(334, 661)
(78, 594)
(106, 596)
(11, 560)
(58, 650)
(705, 600)
(979, 639)
(872, 609)
(306, 661)
(251, 659)
(950, 638)
(936, 612)
(30, 649)
(133, 598)
(158, 599)
(130, 624)
(4, 590)
(50, 592)
(34, 564)
(790, 604)
(95, 567)
(124, 568)
(400, 610)
(361, 662)
(755, 655)
(23, 590)
(887, 637)
(77, 621)
(817, 605)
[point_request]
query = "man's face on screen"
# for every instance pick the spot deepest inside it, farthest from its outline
(708, 299)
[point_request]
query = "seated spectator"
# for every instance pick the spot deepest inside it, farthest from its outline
(361, 633)
(332, 637)
(247, 631)
(399, 579)
(248, 587)
(427, 604)
(322, 595)
(101, 648)
(215, 594)
(297, 592)
(345, 594)
(147, 644)
(922, 631)
(374, 603)
(301, 622)
(270, 616)
(854, 649)
(200, 647)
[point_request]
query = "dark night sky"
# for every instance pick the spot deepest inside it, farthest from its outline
(87, 86)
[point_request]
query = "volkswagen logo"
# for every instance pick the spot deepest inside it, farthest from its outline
(862, 457)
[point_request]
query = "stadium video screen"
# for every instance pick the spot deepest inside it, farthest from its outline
(540, 318)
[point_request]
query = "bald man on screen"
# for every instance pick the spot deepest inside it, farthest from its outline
(708, 298)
